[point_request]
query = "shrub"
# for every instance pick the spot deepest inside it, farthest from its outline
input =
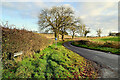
(52, 64)
(107, 44)
(14, 40)
(83, 42)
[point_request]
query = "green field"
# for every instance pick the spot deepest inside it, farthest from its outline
(105, 46)
(108, 39)
(105, 49)
(51, 62)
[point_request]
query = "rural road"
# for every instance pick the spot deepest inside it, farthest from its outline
(109, 62)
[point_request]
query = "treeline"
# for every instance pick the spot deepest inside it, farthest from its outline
(60, 20)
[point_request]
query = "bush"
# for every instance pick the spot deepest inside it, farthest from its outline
(83, 42)
(14, 40)
(107, 44)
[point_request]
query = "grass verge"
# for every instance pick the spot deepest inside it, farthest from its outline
(105, 47)
(116, 39)
(51, 62)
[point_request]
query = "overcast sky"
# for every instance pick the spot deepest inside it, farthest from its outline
(103, 15)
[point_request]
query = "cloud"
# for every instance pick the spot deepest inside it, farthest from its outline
(40, 4)
(94, 14)
(67, 5)
(103, 8)
(21, 0)
(24, 9)
(96, 9)
(17, 5)
(83, 16)
(99, 15)
(34, 1)
(60, 0)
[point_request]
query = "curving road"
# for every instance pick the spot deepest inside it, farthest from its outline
(109, 62)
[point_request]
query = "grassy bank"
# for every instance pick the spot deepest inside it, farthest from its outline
(116, 39)
(106, 46)
(51, 62)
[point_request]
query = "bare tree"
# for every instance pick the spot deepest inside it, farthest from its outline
(86, 32)
(5, 24)
(110, 33)
(63, 31)
(82, 30)
(56, 19)
(99, 32)
(73, 29)
(71, 25)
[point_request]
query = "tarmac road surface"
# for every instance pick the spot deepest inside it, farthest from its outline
(107, 60)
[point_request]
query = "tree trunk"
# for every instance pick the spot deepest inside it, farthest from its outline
(73, 35)
(57, 34)
(99, 35)
(62, 37)
(85, 35)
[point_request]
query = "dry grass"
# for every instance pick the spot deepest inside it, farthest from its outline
(51, 36)
(112, 47)
(96, 40)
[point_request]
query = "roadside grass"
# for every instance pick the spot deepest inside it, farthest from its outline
(52, 62)
(106, 47)
(108, 39)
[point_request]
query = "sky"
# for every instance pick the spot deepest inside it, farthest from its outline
(95, 15)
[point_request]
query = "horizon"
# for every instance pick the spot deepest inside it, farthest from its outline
(103, 15)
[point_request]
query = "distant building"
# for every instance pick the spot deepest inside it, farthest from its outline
(118, 34)
(114, 34)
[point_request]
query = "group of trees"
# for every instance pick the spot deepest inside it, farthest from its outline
(59, 20)
(5, 24)
(114, 34)
(83, 31)
(99, 31)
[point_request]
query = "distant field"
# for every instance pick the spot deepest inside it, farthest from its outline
(108, 39)
(107, 44)
(98, 39)
(52, 36)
